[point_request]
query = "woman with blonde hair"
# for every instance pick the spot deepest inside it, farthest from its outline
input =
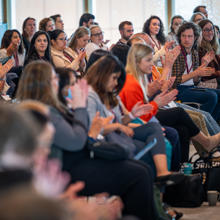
(138, 88)
(40, 82)
(78, 42)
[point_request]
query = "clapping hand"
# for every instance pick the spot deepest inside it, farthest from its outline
(170, 56)
(167, 84)
(204, 71)
(209, 56)
(165, 97)
(6, 67)
(153, 87)
(98, 123)
(79, 94)
(140, 109)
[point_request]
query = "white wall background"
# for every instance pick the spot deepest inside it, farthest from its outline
(70, 10)
(109, 13)
(185, 8)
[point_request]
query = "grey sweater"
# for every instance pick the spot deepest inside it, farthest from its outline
(68, 137)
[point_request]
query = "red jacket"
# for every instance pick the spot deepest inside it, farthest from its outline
(132, 93)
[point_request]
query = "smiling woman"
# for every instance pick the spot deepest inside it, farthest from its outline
(12, 46)
(39, 48)
(96, 40)
(209, 46)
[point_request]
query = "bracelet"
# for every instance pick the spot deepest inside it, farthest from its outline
(131, 116)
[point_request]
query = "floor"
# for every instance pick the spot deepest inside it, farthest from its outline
(204, 212)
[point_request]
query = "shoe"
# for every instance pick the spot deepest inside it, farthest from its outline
(171, 179)
(175, 215)
(215, 155)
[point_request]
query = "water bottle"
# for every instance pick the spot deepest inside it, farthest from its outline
(187, 168)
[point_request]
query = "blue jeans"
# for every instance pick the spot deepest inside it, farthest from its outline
(208, 98)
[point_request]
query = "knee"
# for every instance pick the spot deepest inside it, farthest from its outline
(212, 97)
(156, 127)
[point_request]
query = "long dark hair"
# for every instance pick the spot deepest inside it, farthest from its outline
(24, 34)
(32, 50)
(95, 56)
(160, 36)
(213, 44)
(172, 19)
(98, 74)
(6, 40)
(55, 33)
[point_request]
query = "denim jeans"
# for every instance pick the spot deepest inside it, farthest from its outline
(208, 98)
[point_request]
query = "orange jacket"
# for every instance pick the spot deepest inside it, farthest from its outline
(132, 93)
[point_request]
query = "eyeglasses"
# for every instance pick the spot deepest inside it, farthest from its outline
(97, 34)
(62, 38)
(208, 30)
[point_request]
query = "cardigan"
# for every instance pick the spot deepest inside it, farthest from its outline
(59, 60)
(69, 137)
(179, 66)
(132, 93)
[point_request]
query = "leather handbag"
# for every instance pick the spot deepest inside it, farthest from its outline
(122, 140)
(106, 150)
(188, 193)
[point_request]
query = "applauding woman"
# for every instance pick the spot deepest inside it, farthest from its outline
(138, 88)
(12, 46)
(209, 52)
(128, 179)
(78, 42)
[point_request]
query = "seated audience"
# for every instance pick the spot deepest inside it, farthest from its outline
(69, 144)
(197, 17)
(126, 31)
(187, 71)
(39, 48)
(63, 56)
(202, 9)
(176, 22)
(97, 77)
(86, 20)
(28, 30)
(155, 29)
(12, 46)
(58, 22)
(209, 54)
(46, 24)
(96, 41)
(78, 42)
(139, 66)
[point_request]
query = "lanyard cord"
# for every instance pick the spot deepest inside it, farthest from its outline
(186, 63)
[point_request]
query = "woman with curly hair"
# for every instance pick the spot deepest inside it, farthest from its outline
(155, 29)
(46, 24)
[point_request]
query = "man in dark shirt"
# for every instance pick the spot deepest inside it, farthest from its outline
(126, 31)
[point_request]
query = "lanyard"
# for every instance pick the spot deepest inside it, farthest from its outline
(70, 58)
(156, 44)
(16, 59)
(185, 59)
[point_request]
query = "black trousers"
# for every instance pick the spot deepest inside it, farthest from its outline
(181, 121)
(131, 180)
